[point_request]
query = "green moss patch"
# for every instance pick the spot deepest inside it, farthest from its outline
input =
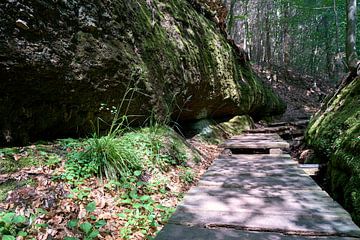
(335, 135)
(214, 132)
(11, 185)
(17, 158)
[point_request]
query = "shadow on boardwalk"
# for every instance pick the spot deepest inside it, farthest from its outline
(258, 196)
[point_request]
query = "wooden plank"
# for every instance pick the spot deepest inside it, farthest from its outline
(182, 232)
(258, 135)
(310, 203)
(323, 224)
(250, 171)
(254, 145)
(265, 193)
(241, 181)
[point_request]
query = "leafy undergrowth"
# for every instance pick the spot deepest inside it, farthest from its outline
(65, 191)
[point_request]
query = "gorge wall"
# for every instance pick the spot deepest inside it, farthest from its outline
(63, 64)
(334, 133)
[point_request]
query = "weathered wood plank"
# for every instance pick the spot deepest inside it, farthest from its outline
(240, 181)
(310, 203)
(322, 224)
(269, 195)
(234, 144)
(181, 232)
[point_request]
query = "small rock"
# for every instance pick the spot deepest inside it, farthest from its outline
(306, 156)
(22, 24)
(226, 152)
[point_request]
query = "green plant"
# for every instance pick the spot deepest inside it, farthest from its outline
(105, 155)
(115, 158)
(186, 175)
(142, 213)
(13, 225)
(88, 228)
(53, 160)
(80, 193)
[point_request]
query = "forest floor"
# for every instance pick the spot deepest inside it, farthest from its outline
(38, 200)
(302, 93)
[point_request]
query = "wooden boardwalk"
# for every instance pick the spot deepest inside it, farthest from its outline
(258, 196)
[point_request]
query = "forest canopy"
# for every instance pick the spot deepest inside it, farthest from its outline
(306, 35)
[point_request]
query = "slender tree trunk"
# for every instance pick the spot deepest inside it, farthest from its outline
(329, 55)
(351, 56)
(246, 27)
(336, 28)
(267, 35)
(286, 57)
(258, 38)
(230, 22)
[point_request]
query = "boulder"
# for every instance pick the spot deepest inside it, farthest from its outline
(334, 134)
(64, 64)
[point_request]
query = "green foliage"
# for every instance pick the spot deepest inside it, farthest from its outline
(316, 33)
(13, 225)
(88, 228)
(334, 134)
(79, 193)
(115, 156)
(9, 165)
(187, 175)
(53, 161)
(142, 213)
(102, 156)
(110, 156)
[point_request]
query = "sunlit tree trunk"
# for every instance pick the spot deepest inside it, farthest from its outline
(351, 56)
(246, 27)
(267, 34)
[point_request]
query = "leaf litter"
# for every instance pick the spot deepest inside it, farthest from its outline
(52, 204)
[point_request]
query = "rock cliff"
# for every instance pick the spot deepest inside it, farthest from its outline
(334, 133)
(64, 63)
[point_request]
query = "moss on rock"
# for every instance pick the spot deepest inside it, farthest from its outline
(11, 161)
(10, 185)
(161, 57)
(216, 132)
(335, 135)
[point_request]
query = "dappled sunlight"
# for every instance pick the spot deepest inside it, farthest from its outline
(257, 196)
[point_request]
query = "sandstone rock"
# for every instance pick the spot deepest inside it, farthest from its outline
(306, 156)
(157, 58)
(334, 133)
(22, 24)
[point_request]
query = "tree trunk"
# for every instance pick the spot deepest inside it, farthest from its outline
(286, 37)
(246, 27)
(351, 56)
(329, 54)
(267, 35)
(336, 28)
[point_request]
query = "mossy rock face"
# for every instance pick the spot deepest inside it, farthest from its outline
(65, 63)
(214, 132)
(335, 135)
